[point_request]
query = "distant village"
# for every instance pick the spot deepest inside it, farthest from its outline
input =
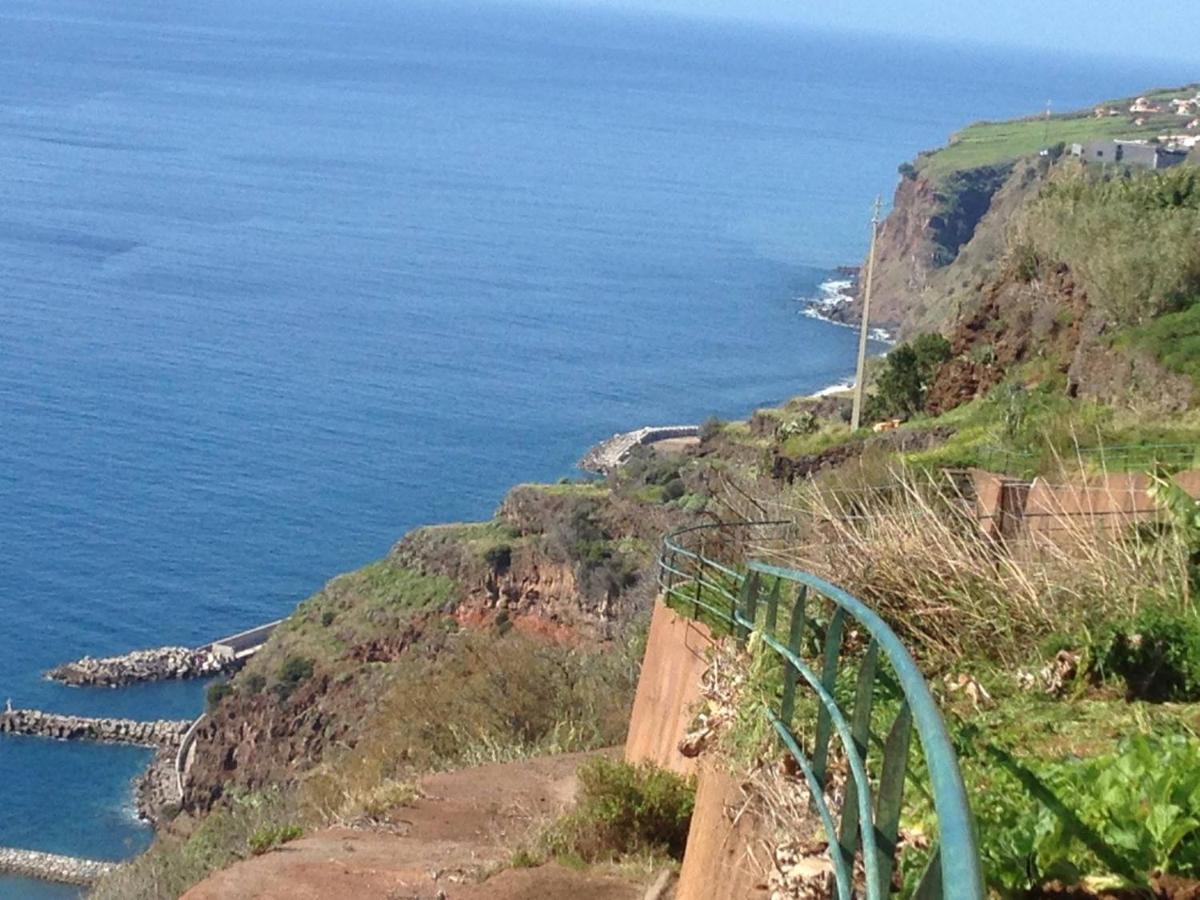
(1180, 117)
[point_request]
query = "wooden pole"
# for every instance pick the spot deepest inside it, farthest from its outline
(864, 330)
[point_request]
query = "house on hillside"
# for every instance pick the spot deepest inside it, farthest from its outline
(1137, 154)
(1144, 105)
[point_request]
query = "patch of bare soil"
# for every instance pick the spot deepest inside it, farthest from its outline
(465, 823)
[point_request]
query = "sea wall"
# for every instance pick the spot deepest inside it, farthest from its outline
(51, 867)
(35, 723)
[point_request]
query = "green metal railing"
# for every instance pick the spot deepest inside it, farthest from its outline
(795, 613)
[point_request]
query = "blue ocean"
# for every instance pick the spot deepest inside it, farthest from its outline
(282, 280)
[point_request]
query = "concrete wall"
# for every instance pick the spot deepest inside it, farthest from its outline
(719, 862)
(1010, 508)
(668, 690)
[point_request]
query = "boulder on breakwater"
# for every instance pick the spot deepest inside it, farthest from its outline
(160, 664)
(51, 866)
(35, 723)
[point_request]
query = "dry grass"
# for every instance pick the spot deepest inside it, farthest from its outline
(917, 552)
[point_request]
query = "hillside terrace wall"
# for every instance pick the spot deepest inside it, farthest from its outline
(668, 690)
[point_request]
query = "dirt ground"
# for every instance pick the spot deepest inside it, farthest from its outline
(466, 823)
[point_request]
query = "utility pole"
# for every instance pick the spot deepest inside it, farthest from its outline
(860, 376)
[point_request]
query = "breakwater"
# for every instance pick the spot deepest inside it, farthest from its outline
(35, 723)
(164, 663)
(51, 866)
(160, 664)
(609, 455)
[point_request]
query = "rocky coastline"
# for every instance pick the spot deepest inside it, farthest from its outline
(159, 664)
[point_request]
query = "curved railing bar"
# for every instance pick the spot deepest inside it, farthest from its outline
(858, 769)
(959, 862)
(960, 865)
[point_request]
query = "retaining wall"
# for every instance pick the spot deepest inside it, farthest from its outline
(668, 690)
(719, 863)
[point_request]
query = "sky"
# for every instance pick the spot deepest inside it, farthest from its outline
(1150, 29)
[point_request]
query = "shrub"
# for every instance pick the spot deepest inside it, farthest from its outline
(499, 558)
(271, 836)
(217, 691)
(622, 810)
(1130, 240)
(1156, 654)
(253, 683)
(673, 490)
(710, 428)
(908, 371)
(327, 617)
(295, 669)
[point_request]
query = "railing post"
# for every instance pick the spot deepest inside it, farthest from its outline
(773, 608)
(860, 731)
(833, 647)
(749, 604)
(787, 703)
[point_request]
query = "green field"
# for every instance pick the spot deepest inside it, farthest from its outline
(989, 143)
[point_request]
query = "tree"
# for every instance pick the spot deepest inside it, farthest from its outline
(908, 371)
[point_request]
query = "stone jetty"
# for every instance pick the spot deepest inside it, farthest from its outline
(51, 867)
(35, 723)
(609, 455)
(159, 664)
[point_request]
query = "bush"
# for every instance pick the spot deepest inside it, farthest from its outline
(622, 810)
(710, 428)
(1130, 240)
(499, 558)
(908, 371)
(217, 691)
(271, 836)
(1156, 654)
(253, 683)
(327, 617)
(295, 669)
(673, 490)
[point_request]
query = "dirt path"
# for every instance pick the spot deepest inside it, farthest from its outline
(466, 822)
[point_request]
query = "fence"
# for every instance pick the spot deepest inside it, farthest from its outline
(796, 613)
(1116, 458)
